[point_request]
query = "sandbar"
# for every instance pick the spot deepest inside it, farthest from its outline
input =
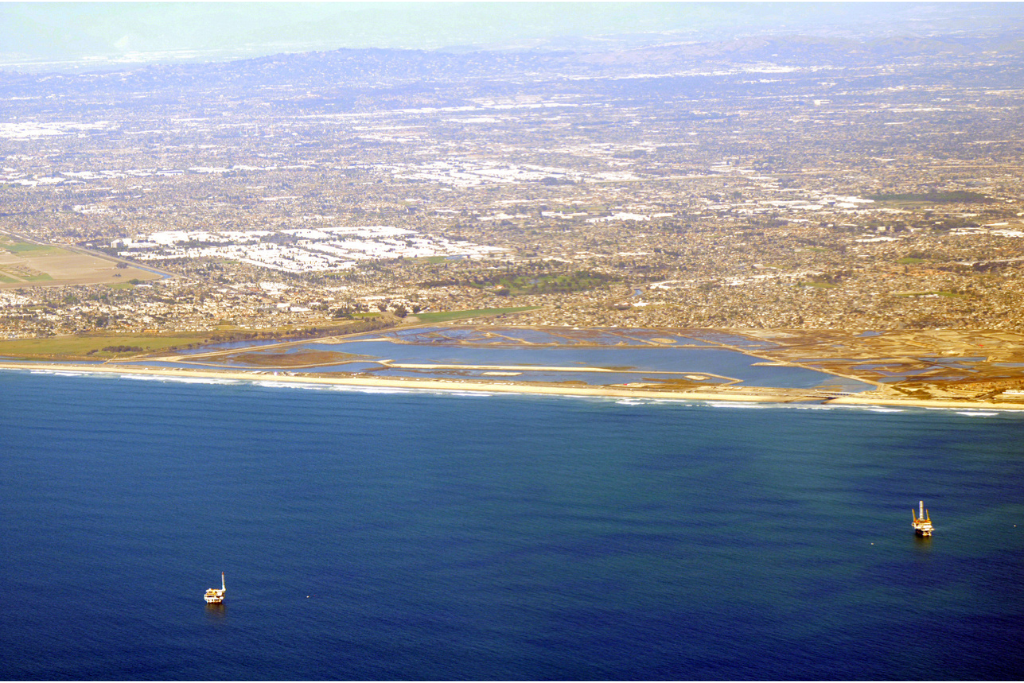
(746, 394)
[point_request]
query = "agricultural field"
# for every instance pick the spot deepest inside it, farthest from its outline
(24, 264)
(96, 347)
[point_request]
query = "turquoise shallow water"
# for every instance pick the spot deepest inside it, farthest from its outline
(445, 536)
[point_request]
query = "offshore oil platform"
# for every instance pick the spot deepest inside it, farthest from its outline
(922, 522)
(214, 596)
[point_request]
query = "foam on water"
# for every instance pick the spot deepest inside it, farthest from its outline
(307, 386)
(736, 404)
(176, 379)
(814, 406)
(59, 373)
(263, 381)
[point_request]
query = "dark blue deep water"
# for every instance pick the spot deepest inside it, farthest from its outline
(420, 536)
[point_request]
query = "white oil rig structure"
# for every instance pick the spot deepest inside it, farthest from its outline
(215, 596)
(922, 522)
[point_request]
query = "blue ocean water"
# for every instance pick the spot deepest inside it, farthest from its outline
(430, 536)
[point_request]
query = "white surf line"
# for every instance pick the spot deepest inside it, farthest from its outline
(761, 395)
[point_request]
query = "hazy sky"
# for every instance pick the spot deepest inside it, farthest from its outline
(63, 34)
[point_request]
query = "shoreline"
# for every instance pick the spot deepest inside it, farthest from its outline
(762, 395)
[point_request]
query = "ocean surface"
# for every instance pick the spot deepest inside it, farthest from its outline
(403, 535)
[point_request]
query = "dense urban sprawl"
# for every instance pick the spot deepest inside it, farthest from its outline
(792, 184)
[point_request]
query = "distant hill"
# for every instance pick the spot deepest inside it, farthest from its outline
(375, 68)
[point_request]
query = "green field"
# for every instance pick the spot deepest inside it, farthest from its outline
(91, 346)
(445, 316)
(29, 249)
(19, 273)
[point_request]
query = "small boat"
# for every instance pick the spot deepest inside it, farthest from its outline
(215, 596)
(922, 522)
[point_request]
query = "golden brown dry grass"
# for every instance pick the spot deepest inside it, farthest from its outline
(24, 264)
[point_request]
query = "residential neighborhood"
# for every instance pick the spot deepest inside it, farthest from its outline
(728, 187)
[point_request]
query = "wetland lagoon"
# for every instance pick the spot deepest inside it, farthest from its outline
(604, 358)
(898, 369)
